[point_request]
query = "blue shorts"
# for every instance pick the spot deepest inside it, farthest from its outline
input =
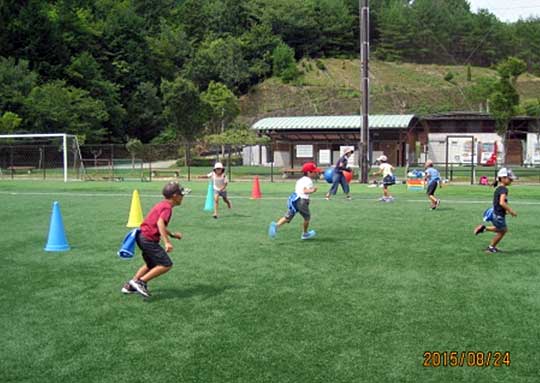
(499, 221)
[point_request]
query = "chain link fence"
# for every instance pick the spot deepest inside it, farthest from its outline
(192, 161)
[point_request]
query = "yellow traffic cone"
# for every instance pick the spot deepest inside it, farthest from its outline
(135, 212)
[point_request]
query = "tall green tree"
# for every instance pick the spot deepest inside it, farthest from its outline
(223, 106)
(504, 102)
(395, 34)
(170, 49)
(219, 60)
(145, 113)
(85, 72)
(57, 108)
(16, 82)
(184, 110)
(257, 45)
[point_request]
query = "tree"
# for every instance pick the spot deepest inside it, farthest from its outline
(222, 106)
(395, 32)
(183, 108)
(219, 60)
(335, 24)
(237, 136)
(9, 122)
(170, 50)
(57, 108)
(135, 147)
(16, 82)
(282, 59)
(505, 100)
(85, 72)
(481, 91)
(258, 44)
(293, 21)
(145, 112)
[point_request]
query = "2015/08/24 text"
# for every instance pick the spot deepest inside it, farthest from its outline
(466, 359)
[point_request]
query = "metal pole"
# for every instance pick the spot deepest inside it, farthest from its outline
(473, 153)
(64, 139)
(364, 57)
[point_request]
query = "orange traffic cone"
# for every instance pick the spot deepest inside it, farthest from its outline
(256, 189)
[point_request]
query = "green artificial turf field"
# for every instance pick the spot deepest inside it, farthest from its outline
(381, 284)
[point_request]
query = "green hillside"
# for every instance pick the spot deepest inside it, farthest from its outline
(332, 86)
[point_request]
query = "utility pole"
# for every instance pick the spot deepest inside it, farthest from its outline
(364, 57)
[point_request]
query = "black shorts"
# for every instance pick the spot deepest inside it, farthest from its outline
(389, 180)
(302, 207)
(152, 253)
(432, 186)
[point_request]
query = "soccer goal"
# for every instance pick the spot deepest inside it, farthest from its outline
(41, 156)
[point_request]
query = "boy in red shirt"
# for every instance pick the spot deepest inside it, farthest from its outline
(154, 227)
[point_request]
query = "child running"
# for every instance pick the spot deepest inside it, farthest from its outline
(433, 179)
(220, 182)
(500, 208)
(388, 177)
(298, 202)
(154, 227)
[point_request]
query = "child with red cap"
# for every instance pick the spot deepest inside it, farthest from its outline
(298, 202)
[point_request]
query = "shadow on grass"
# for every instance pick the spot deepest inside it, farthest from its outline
(204, 291)
(235, 215)
(517, 252)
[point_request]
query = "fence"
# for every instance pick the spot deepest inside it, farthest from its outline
(471, 174)
(187, 161)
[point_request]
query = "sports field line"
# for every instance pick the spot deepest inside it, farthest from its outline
(284, 198)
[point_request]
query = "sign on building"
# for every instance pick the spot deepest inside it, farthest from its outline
(304, 151)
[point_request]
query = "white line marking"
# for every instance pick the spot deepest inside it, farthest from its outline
(357, 199)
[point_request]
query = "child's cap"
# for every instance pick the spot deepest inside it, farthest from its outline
(428, 163)
(310, 167)
(382, 158)
(218, 165)
(350, 150)
(173, 188)
(504, 172)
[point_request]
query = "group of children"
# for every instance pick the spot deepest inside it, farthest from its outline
(154, 227)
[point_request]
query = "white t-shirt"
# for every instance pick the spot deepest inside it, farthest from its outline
(386, 169)
(303, 183)
(218, 181)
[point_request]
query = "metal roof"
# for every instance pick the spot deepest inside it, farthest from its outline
(333, 122)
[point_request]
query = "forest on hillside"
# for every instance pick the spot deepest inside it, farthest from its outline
(160, 70)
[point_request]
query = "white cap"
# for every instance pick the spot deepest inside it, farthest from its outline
(382, 158)
(218, 165)
(504, 172)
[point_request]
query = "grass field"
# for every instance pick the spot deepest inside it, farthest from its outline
(380, 285)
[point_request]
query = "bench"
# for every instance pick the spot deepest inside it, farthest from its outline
(27, 169)
(292, 172)
(163, 172)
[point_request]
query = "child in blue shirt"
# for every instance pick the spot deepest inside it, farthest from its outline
(433, 179)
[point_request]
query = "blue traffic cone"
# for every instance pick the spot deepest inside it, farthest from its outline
(209, 204)
(57, 237)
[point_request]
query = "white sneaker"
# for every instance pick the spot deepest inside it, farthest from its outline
(141, 287)
(127, 289)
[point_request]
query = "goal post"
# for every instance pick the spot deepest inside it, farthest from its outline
(51, 154)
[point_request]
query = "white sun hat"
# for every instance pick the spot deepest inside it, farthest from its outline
(218, 165)
(504, 172)
(382, 158)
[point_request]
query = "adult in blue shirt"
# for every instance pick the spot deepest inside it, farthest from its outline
(338, 178)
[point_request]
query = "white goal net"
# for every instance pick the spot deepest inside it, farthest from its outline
(40, 156)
